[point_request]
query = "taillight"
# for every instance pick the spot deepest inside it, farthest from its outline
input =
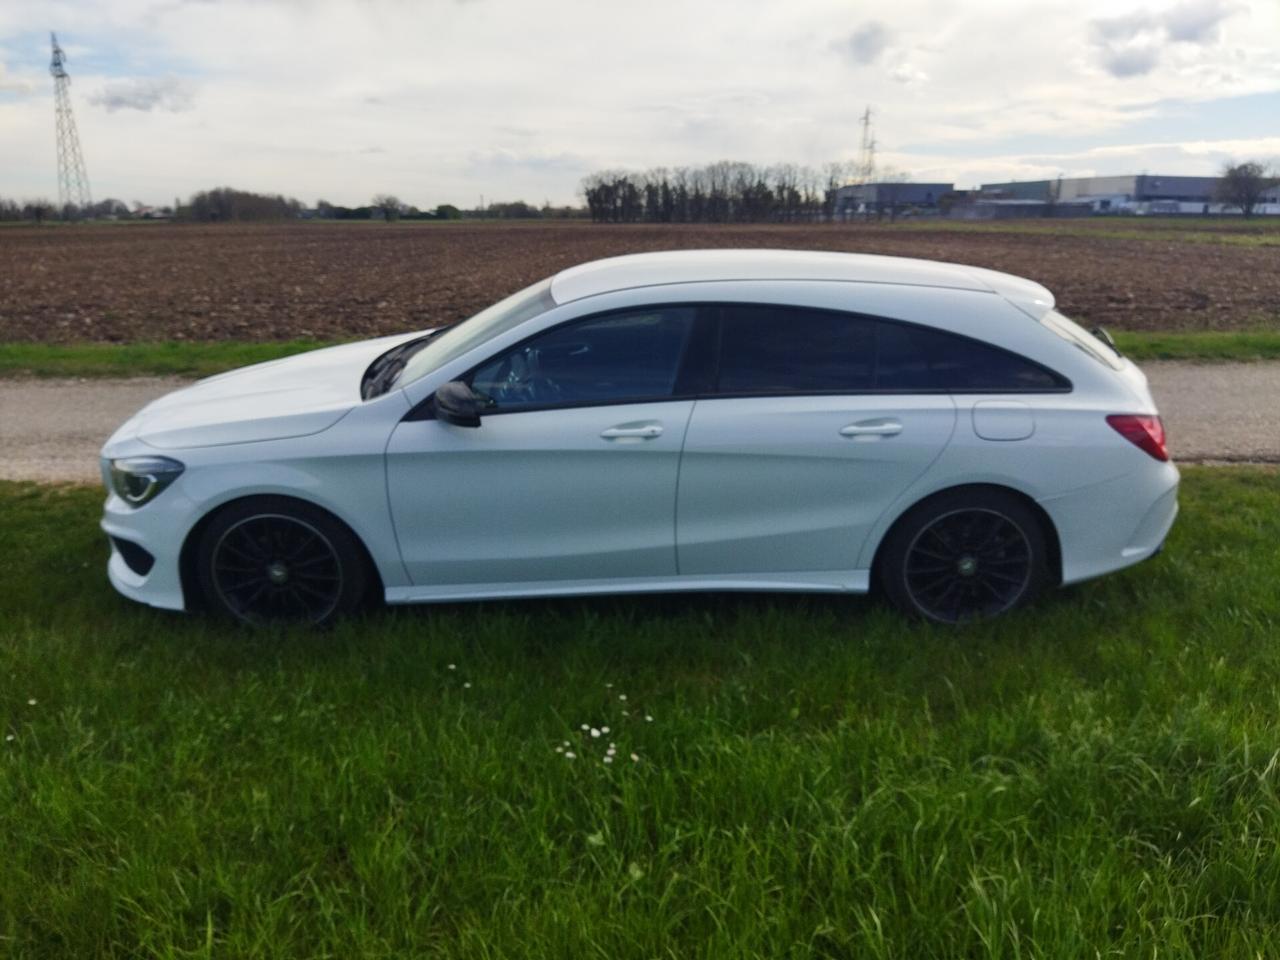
(1145, 432)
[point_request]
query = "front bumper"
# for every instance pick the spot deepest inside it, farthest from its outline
(158, 528)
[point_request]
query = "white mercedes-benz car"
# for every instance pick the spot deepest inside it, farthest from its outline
(702, 420)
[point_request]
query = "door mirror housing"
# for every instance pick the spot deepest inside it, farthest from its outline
(457, 403)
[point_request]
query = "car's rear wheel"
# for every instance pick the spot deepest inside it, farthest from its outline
(965, 555)
(275, 559)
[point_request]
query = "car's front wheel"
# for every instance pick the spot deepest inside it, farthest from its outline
(275, 559)
(965, 555)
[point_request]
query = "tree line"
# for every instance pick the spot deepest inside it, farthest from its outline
(724, 192)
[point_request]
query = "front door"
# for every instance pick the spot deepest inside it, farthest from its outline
(571, 475)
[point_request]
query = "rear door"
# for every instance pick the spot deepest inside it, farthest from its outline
(798, 450)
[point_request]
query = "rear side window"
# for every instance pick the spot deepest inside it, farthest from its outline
(921, 358)
(770, 350)
(793, 350)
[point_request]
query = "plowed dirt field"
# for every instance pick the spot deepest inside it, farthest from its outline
(115, 283)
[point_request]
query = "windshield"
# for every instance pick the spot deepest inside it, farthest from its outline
(485, 325)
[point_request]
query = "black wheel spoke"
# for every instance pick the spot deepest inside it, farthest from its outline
(968, 564)
(274, 567)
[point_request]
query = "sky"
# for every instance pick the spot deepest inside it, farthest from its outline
(446, 101)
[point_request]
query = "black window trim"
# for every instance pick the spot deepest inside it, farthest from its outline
(708, 322)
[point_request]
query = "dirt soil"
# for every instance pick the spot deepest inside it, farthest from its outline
(126, 282)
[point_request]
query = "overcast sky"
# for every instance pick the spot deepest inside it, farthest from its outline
(444, 100)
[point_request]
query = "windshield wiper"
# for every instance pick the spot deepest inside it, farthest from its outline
(383, 371)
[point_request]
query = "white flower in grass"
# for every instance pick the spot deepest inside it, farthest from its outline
(635, 758)
(648, 719)
(595, 732)
(608, 759)
(569, 755)
(610, 754)
(565, 742)
(622, 696)
(608, 686)
(31, 702)
(604, 729)
(626, 713)
(453, 666)
(9, 738)
(586, 727)
(467, 685)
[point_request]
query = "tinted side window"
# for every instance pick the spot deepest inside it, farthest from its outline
(918, 358)
(767, 349)
(623, 356)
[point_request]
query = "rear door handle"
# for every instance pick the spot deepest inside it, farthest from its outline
(872, 428)
(646, 432)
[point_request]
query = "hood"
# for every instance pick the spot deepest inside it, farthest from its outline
(293, 397)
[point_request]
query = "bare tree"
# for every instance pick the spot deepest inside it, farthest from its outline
(1244, 184)
(38, 210)
(389, 204)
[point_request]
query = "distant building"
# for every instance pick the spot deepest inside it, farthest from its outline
(1139, 193)
(1014, 208)
(861, 199)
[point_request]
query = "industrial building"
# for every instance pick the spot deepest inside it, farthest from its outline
(1140, 194)
(887, 198)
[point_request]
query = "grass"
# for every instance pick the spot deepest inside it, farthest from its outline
(188, 359)
(1097, 776)
(170, 358)
(1200, 345)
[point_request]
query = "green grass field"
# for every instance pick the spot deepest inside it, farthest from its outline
(1098, 776)
(205, 359)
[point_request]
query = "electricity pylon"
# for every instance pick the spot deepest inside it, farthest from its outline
(867, 155)
(73, 181)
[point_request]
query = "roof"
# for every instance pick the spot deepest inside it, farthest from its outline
(703, 266)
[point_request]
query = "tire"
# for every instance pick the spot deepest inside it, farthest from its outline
(964, 555)
(273, 559)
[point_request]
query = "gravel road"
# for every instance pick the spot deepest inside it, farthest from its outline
(52, 429)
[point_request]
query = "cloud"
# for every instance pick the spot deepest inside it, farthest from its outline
(865, 45)
(145, 93)
(1129, 45)
(908, 74)
(510, 160)
(1197, 21)
(1132, 44)
(10, 84)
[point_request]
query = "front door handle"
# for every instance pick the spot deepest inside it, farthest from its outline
(872, 428)
(642, 432)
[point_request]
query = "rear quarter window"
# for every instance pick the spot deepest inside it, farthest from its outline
(922, 358)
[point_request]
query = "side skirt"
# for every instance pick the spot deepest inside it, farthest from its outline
(817, 581)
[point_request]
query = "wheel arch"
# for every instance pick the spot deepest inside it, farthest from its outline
(193, 596)
(1047, 526)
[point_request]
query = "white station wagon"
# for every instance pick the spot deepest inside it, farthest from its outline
(703, 420)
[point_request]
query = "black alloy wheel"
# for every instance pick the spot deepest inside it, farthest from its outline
(958, 559)
(263, 562)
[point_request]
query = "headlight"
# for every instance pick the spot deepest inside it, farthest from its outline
(139, 480)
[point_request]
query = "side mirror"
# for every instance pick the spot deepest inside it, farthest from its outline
(456, 403)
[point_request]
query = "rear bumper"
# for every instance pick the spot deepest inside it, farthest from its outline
(1115, 524)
